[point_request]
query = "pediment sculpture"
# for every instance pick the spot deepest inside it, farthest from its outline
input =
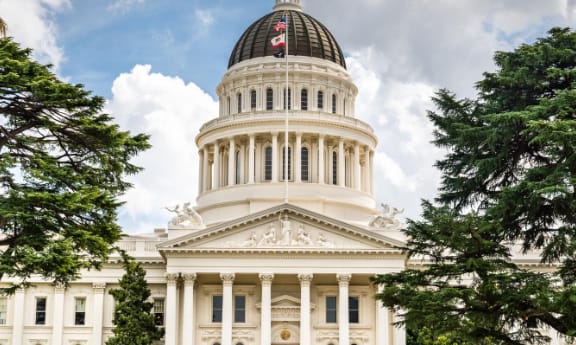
(186, 217)
(386, 219)
(283, 234)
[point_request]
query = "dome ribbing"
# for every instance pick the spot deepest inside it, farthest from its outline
(306, 37)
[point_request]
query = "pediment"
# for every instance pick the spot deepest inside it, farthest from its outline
(285, 227)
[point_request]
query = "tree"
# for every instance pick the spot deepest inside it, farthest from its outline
(507, 184)
(62, 169)
(133, 321)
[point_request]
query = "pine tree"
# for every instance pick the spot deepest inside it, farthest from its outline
(133, 321)
(507, 184)
(62, 169)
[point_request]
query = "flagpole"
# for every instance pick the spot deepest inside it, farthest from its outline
(286, 106)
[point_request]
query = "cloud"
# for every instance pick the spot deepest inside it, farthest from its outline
(123, 6)
(31, 24)
(172, 112)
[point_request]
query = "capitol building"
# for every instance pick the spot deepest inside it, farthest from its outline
(280, 244)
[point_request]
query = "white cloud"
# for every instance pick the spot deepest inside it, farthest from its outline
(172, 112)
(31, 24)
(123, 6)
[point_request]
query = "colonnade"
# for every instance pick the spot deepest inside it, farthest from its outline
(266, 279)
(259, 158)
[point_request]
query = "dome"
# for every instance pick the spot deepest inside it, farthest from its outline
(306, 37)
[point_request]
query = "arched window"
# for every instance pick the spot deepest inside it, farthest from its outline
(304, 99)
(284, 163)
(269, 99)
(334, 104)
(268, 164)
(334, 168)
(304, 168)
(289, 100)
(239, 97)
(238, 168)
(253, 99)
(320, 100)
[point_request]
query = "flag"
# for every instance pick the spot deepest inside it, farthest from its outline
(280, 53)
(281, 25)
(279, 41)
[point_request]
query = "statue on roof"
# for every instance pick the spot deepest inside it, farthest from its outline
(186, 217)
(386, 219)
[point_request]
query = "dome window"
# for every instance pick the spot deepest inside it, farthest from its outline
(320, 100)
(304, 166)
(253, 99)
(268, 164)
(269, 99)
(334, 104)
(304, 99)
(289, 99)
(334, 168)
(284, 163)
(239, 97)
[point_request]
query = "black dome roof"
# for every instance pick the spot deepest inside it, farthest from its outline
(306, 37)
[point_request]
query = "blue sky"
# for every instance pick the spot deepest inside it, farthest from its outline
(158, 62)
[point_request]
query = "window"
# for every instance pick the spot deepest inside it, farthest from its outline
(217, 308)
(284, 163)
(40, 310)
(353, 309)
(334, 104)
(238, 167)
(268, 164)
(344, 107)
(158, 310)
(269, 99)
(239, 308)
(334, 168)
(239, 97)
(289, 101)
(331, 310)
(253, 99)
(304, 99)
(229, 105)
(80, 311)
(320, 100)
(304, 164)
(3, 310)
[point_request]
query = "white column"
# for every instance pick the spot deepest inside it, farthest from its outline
(305, 334)
(98, 312)
(200, 171)
(343, 316)
(371, 173)
(298, 159)
(205, 172)
(58, 316)
(171, 309)
(399, 332)
(188, 326)
(357, 168)
(266, 309)
(275, 157)
(216, 172)
(341, 164)
(382, 321)
(321, 159)
(18, 326)
(232, 163)
(227, 307)
(251, 159)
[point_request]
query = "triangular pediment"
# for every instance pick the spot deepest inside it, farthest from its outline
(285, 228)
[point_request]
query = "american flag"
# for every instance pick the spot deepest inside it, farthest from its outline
(281, 25)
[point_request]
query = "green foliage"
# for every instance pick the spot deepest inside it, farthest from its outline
(62, 169)
(507, 184)
(133, 320)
